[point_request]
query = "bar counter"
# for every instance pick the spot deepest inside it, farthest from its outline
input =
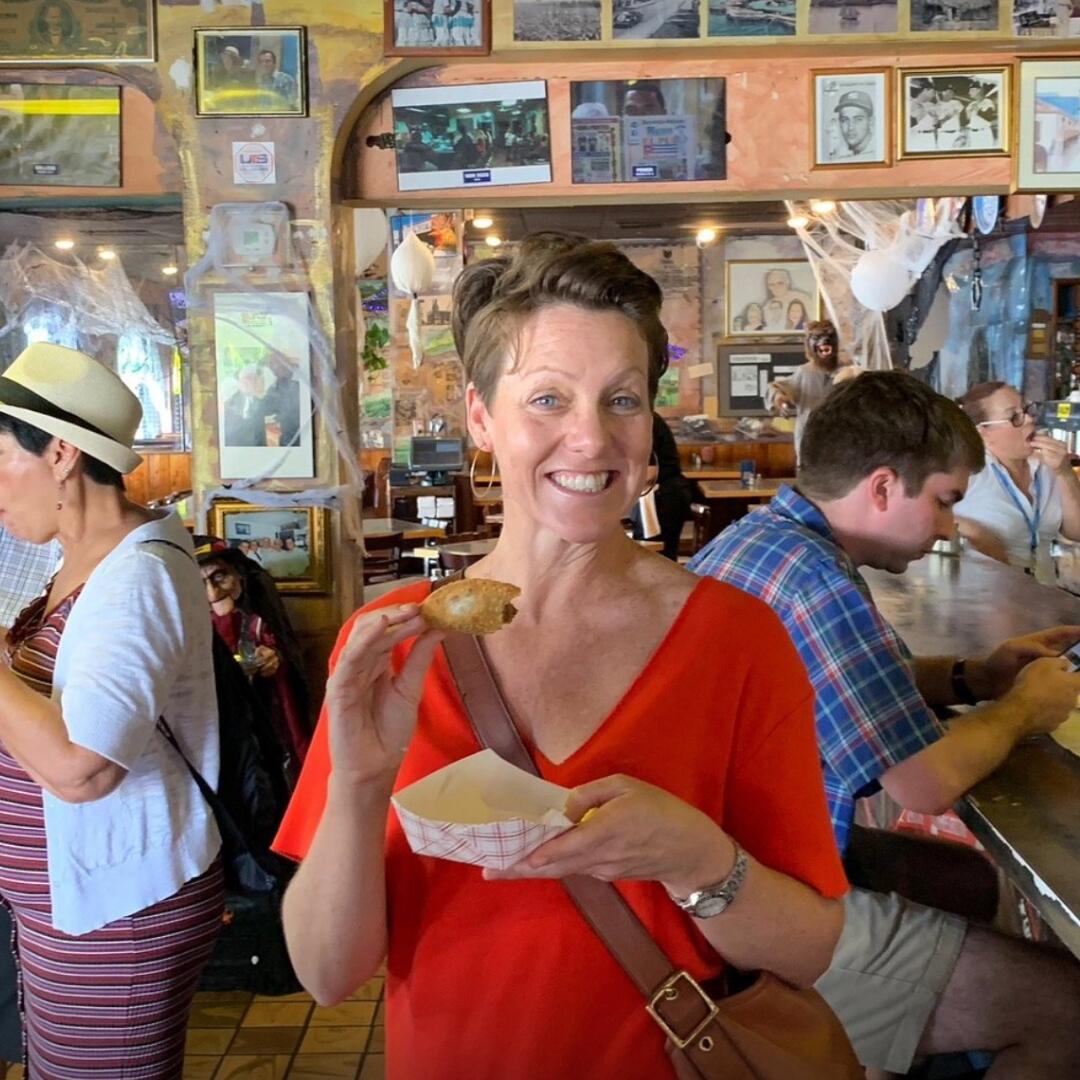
(1027, 814)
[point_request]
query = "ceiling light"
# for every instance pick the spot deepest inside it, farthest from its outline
(170, 270)
(798, 221)
(705, 237)
(822, 206)
(492, 240)
(107, 254)
(64, 245)
(483, 222)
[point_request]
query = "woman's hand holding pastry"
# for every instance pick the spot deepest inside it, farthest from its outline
(634, 831)
(1053, 452)
(372, 712)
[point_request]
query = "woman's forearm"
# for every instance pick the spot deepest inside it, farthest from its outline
(1069, 486)
(334, 910)
(777, 924)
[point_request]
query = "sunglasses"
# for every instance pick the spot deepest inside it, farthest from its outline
(1028, 412)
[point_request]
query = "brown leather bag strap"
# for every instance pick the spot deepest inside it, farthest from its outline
(676, 1002)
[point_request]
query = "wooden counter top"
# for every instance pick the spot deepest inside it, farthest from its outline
(1027, 814)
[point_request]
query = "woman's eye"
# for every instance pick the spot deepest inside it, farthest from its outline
(545, 401)
(625, 401)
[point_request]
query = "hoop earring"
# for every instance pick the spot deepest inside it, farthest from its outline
(651, 486)
(477, 497)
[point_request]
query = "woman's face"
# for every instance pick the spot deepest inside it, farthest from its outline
(571, 425)
(796, 313)
(1005, 442)
(223, 586)
(28, 492)
(753, 314)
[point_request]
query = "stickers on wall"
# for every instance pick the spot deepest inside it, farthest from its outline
(254, 163)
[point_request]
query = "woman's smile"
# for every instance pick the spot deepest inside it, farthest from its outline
(582, 483)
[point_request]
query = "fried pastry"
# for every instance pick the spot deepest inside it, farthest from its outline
(470, 606)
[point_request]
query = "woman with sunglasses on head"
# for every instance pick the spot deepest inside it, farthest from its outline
(1028, 492)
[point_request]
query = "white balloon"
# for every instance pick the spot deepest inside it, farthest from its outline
(878, 281)
(412, 266)
(370, 233)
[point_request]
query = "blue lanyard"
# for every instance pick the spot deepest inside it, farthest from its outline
(1031, 522)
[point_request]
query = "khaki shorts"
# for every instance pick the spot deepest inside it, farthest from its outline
(890, 966)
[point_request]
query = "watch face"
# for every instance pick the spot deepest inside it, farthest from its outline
(709, 905)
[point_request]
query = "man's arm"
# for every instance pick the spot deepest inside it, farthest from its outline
(781, 394)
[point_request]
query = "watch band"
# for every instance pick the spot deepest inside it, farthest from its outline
(725, 890)
(961, 688)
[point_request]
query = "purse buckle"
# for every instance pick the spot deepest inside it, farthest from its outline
(669, 991)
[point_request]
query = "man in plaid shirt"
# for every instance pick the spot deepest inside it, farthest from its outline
(883, 461)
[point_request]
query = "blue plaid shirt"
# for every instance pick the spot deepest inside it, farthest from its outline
(869, 712)
(25, 570)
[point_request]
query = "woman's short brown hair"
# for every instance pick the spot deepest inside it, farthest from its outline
(493, 298)
(974, 401)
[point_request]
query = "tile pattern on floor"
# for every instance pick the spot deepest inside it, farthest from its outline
(238, 1036)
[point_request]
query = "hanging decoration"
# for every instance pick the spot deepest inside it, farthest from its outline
(976, 272)
(412, 266)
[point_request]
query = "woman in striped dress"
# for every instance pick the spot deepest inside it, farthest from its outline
(108, 853)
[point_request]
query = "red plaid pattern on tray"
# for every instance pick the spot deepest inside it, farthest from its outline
(495, 844)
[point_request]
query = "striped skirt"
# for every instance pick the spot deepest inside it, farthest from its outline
(112, 1004)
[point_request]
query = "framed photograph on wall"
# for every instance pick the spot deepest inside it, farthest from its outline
(852, 116)
(67, 135)
(263, 353)
(1047, 153)
(86, 31)
(261, 71)
(291, 543)
(769, 298)
(953, 112)
(437, 27)
(744, 371)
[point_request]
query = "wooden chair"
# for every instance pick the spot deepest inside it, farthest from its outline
(383, 559)
(451, 561)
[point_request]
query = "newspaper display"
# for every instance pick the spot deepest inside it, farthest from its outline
(597, 154)
(659, 148)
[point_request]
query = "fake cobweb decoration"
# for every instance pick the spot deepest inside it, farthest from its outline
(866, 257)
(80, 301)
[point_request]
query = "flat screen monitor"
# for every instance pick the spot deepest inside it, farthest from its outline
(435, 453)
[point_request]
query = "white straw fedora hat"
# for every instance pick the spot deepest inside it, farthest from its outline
(72, 396)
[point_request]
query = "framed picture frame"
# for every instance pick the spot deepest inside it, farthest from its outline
(1047, 145)
(768, 298)
(66, 135)
(744, 370)
(437, 27)
(953, 112)
(256, 71)
(852, 118)
(263, 364)
(82, 31)
(291, 543)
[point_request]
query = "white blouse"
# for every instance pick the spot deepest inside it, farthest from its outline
(1025, 526)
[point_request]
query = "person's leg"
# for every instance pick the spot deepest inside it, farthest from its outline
(1019, 1001)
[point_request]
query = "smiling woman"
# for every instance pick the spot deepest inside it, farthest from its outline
(703, 776)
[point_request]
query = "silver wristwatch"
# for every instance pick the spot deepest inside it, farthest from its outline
(714, 899)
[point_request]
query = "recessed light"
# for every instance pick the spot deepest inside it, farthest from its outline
(822, 206)
(493, 241)
(64, 245)
(170, 270)
(483, 222)
(107, 254)
(798, 221)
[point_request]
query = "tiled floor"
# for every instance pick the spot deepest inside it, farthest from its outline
(235, 1036)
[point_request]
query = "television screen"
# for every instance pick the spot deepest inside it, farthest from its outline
(59, 135)
(478, 135)
(647, 130)
(443, 455)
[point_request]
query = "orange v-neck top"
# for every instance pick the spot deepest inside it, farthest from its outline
(503, 980)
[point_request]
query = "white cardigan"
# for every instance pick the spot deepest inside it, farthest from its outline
(137, 645)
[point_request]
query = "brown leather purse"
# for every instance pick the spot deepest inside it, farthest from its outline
(761, 1028)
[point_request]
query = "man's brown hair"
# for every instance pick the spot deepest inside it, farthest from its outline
(890, 419)
(494, 297)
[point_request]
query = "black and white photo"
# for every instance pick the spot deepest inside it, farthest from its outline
(851, 117)
(954, 16)
(556, 20)
(437, 27)
(641, 20)
(948, 112)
